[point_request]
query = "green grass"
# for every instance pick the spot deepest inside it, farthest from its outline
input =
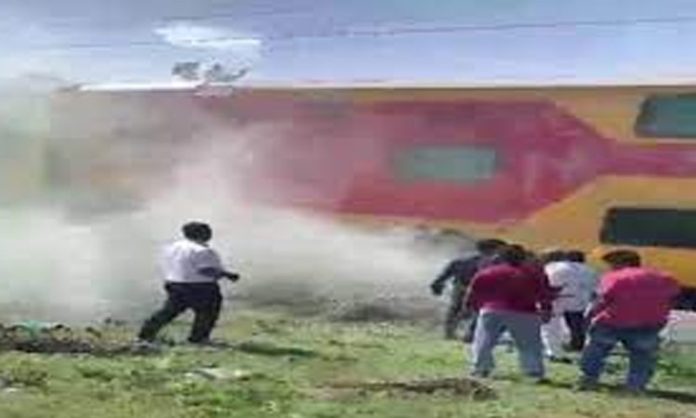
(292, 362)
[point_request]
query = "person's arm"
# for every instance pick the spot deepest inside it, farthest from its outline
(545, 296)
(589, 285)
(209, 265)
(597, 305)
(438, 285)
(218, 273)
(472, 296)
(604, 297)
(554, 280)
(673, 289)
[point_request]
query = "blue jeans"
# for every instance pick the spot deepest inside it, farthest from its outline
(641, 343)
(525, 329)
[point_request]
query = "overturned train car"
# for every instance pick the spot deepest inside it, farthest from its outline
(579, 167)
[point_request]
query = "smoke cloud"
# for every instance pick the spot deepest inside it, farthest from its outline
(82, 232)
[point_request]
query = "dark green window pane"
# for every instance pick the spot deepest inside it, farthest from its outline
(649, 227)
(668, 116)
(445, 163)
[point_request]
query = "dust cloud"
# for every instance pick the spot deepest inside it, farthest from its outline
(79, 250)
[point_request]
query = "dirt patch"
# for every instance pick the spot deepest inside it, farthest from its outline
(386, 309)
(61, 339)
(364, 304)
(469, 388)
(272, 350)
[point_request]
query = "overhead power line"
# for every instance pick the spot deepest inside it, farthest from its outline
(77, 21)
(384, 32)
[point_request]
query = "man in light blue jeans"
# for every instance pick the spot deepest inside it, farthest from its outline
(525, 331)
(514, 296)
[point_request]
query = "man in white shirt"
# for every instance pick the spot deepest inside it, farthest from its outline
(557, 270)
(573, 282)
(584, 287)
(191, 272)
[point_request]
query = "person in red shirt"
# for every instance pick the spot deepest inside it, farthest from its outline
(512, 295)
(633, 306)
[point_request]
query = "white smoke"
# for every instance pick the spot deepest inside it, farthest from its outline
(62, 263)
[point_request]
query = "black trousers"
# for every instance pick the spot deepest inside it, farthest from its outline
(203, 298)
(456, 313)
(577, 325)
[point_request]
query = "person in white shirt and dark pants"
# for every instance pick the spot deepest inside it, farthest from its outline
(585, 286)
(191, 272)
(573, 282)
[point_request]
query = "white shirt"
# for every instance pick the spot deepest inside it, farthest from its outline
(590, 281)
(181, 261)
(576, 281)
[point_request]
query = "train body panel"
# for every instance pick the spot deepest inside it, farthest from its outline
(582, 167)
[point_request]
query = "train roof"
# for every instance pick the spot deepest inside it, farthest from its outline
(358, 85)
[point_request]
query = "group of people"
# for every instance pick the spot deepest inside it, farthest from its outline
(506, 288)
(502, 288)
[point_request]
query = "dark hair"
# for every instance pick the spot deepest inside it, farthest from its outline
(197, 231)
(551, 256)
(532, 257)
(513, 254)
(489, 245)
(622, 258)
(576, 256)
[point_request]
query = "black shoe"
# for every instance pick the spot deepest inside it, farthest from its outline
(541, 380)
(479, 375)
(145, 346)
(208, 343)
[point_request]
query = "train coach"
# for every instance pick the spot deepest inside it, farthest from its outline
(583, 167)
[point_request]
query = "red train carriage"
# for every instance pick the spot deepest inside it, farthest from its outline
(580, 167)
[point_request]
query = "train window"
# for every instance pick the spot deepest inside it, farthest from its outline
(650, 227)
(667, 116)
(449, 163)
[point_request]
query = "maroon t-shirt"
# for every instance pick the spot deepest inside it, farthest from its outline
(511, 288)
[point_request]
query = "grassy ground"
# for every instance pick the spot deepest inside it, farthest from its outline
(290, 364)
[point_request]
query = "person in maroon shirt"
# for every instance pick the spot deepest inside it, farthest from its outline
(513, 295)
(633, 306)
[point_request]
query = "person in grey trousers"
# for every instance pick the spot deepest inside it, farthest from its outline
(512, 295)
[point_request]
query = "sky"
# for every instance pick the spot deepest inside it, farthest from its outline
(336, 41)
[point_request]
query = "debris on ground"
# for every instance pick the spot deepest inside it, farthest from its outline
(470, 388)
(56, 338)
(222, 374)
(115, 322)
(53, 338)
(24, 374)
(385, 309)
(7, 387)
(267, 349)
